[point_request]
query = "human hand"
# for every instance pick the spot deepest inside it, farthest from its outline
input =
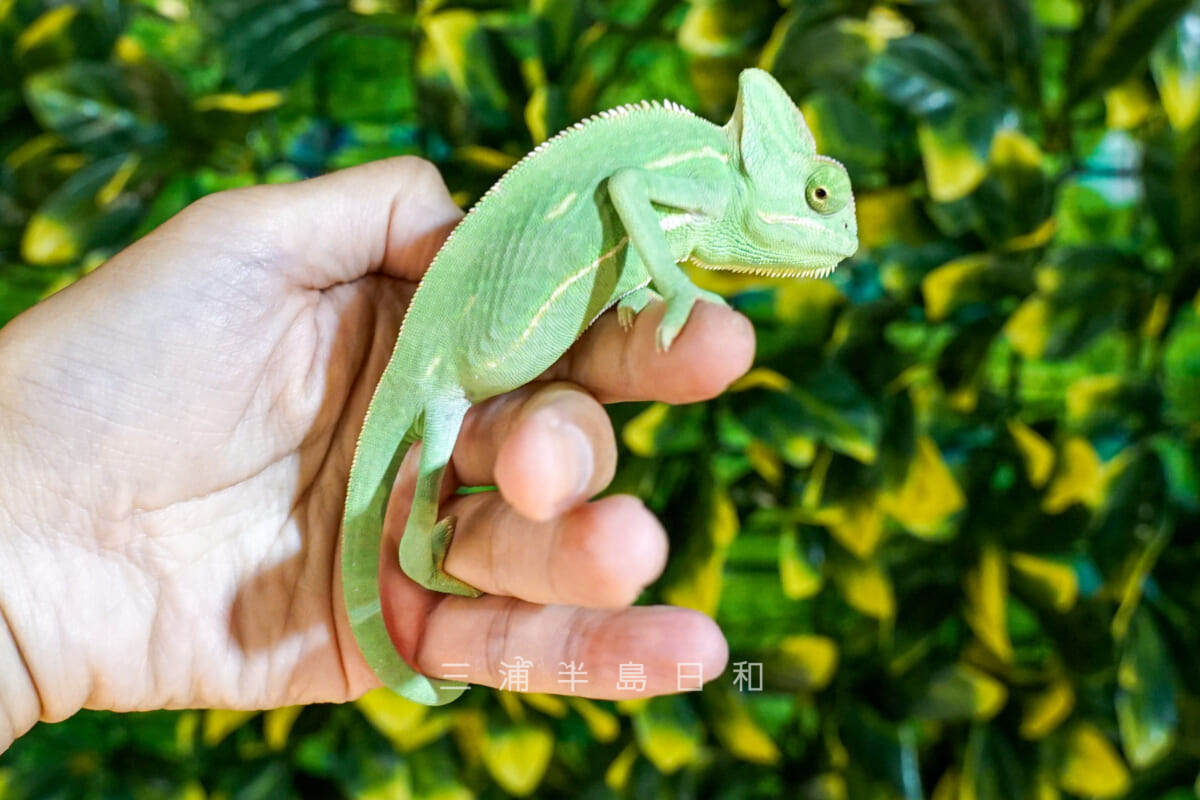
(176, 430)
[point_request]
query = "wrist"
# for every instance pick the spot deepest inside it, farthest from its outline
(20, 702)
(20, 705)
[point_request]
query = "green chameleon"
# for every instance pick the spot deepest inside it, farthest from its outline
(601, 214)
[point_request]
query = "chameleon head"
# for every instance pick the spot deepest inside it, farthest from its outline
(793, 211)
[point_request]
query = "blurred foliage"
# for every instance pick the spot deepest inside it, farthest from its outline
(954, 510)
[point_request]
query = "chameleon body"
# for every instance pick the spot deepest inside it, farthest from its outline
(600, 215)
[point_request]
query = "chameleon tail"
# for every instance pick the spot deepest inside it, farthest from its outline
(371, 476)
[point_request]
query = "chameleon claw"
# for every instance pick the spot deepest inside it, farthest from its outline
(438, 580)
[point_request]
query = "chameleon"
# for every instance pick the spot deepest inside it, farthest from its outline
(601, 214)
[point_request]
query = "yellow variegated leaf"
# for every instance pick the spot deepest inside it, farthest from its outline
(617, 775)
(669, 748)
(830, 786)
(1179, 90)
(1056, 582)
(951, 284)
(549, 704)
(867, 589)
(459, 43)
(277, 724)
(407, 725)
(669, 733)
(765, 462)
(947, 786)
(1092, 767)
(701, 587)
(804, 301)
(511, 703)
(963, 692)
(535, 114)
(486, 158)
(220, 722)
(1079, 478)
(395, 786)
(929, 495)
(1035, 238)
(469, 728)
(724, 282)
(1037, 453)
(799, 578)
(1127, 104)
(632, 706)
(1029, 327)
(1158, 317)
(49, 25)
(240, 103)
(857, 524)
(1011, 148)
(1047, 710)
(33, 149)
(799, 451)
(639, 433)
(740, 734)
(185, 731)
(761, 378)
(192, 790)
(603, 725)
(116, 184)
(724, 519)
(952, 168)
(47, 240)
(715, 30)
(517, 756)
(1090, 395)
(816, 656)
(886, 216)
(987, 602)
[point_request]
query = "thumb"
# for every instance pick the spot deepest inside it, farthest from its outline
(388, 216)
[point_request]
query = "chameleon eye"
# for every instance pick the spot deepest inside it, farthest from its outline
(827, 189)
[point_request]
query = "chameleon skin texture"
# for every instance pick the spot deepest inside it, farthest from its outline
(600, 215)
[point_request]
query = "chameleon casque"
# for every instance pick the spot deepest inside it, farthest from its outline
(601, 214)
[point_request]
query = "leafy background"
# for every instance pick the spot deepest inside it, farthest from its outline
(955, 508)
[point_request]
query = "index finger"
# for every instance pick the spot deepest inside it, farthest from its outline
(715, 348)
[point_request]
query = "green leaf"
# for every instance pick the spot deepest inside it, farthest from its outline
(924, 75)
(1091, 766)
(1175, 64)
(1112, 46)
(92, 107)
(517, 755)
(1146, 701)
(668, 732)
(884, 749)
(75, 216)
(269, 44)
(960, 693)
(824, 405)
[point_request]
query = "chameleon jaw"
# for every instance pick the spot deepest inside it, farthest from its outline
(765, 271)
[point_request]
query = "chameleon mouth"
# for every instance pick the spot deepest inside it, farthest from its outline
(768, 271)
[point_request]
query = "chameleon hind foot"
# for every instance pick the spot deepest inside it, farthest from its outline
(434, 577)
(632, 304)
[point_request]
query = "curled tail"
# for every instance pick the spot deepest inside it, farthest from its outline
(393, 423)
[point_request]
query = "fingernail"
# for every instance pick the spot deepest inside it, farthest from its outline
(577, 462)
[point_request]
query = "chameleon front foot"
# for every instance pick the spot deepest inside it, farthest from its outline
(679, 308)
(432, 573)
